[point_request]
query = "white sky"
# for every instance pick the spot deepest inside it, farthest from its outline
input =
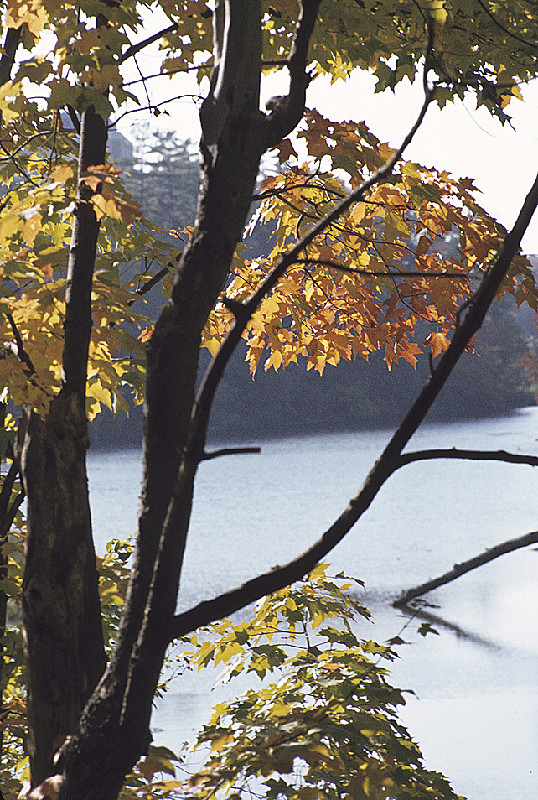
(502, 160)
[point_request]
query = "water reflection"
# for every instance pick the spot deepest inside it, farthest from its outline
(421, 612)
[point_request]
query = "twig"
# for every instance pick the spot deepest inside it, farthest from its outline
(169, 72)
(21, 352)
(154, 106)
(466, 566)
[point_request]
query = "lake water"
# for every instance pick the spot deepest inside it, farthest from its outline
(475, 713)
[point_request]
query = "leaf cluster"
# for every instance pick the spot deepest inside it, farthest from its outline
(487, 48)
(38, 173)
(326, 726)
(409, 253)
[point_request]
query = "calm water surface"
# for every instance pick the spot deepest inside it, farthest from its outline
(475, 713)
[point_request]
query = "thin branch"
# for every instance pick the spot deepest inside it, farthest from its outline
(466, 566)
(230, 451)
(509, 33)
(380, 273)
(169, 72)
(153, 281)
(153, 106)
(21, 352)
(136, 48)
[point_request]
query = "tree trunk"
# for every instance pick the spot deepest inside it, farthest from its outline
(61, 613)
(234, 138)
(114, 730)
(61, 609)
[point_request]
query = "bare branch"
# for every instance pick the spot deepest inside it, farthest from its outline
(467, 455)
(466, 566)
(230, 451)
(154, 106)
(169, 72)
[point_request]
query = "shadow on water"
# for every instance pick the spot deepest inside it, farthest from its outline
(420, 612)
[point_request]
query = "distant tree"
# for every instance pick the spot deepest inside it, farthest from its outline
(336, 284)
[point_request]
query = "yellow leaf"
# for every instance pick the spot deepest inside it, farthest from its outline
(96, 390)
(438, 342)
(220, 742)
(30, 13)
(62, 173)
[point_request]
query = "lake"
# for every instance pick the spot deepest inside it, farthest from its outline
(475, 709)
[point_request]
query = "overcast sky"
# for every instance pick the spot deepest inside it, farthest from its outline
(502, 160)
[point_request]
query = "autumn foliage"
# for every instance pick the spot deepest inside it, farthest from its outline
(367, 252)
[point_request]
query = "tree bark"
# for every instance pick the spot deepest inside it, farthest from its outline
(61, 612)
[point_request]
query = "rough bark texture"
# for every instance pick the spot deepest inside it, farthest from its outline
(63, 638)
(232, 144)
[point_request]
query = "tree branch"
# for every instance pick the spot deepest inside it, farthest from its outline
(467, 455)
(7, 509)
(82, 253)
(153, 106)
(136, 48)
(504, 29)
(466, 566)
(287, 111)
(215, 371)
(390, 460)
(21, 352)
(153, 281)
(11, 43)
